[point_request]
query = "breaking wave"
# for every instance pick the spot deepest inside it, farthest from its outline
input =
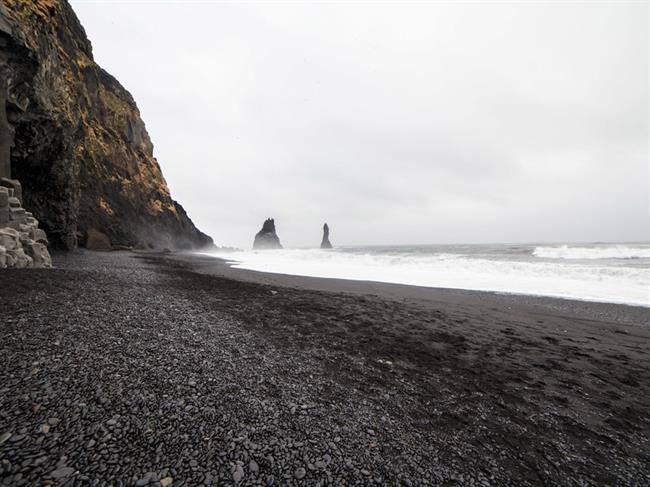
(507, 269)
(593, 252)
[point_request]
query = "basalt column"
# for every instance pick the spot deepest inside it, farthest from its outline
(6, 137)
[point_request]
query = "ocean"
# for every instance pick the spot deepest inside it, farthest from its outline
(614, 273)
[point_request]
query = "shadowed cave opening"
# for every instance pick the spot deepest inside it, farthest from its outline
(31, 147)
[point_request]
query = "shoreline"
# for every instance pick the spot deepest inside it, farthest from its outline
(622, 313)
(593, 273)
(128, 368)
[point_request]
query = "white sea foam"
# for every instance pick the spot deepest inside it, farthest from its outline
(593, 252)
(589, 280)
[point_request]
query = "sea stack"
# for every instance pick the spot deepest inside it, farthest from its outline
(266, 238)
(326, 244)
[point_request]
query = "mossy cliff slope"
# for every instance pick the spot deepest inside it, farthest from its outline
(74, 138)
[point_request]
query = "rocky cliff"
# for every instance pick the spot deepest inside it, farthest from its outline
(74, 138)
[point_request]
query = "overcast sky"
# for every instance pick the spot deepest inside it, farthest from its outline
(439, 123)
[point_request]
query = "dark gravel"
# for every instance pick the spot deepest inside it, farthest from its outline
(126, 369)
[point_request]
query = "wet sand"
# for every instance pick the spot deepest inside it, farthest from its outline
(432, 297)
(178, 366)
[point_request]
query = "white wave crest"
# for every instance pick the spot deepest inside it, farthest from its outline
(592, 253)
(589, 280)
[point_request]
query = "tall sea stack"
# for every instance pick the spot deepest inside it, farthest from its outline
(266, 238)
(325, 243)
(72, 135)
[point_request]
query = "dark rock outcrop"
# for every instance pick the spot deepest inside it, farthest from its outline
(325, 243)
(266, 238)
(22, 243)
(96, 240)
(74, 138)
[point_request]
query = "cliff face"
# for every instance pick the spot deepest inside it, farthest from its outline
(74, 138)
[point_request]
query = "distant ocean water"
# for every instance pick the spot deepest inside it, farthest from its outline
(616, 273)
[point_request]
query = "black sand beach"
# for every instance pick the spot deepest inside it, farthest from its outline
(148, 369)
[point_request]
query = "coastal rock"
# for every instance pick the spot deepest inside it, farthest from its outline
(39, 235)
(237, 474)
(62, 472)
(39, 254)
(22, 243)
(4, 197)
(96, 240)
(73, 136)
(14, 188)
(325, 243)
(15, 185)
(9, 238)
(266, 238)
(19, 259)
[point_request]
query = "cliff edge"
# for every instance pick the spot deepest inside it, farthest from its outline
(73, 136)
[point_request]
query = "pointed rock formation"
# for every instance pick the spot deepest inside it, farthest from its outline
(266, 238)
(326, 244)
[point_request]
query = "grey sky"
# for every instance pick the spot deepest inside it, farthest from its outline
(436, 123)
